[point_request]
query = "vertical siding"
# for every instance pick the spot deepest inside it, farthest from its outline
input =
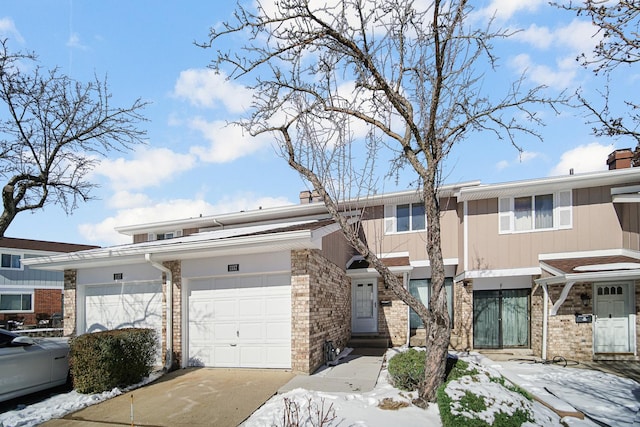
(336, 249)
(630, 218)
(595, 226)
(415, 243)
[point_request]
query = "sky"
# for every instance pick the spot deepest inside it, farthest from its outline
(195, 163)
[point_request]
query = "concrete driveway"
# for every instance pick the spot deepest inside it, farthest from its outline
(193, 396)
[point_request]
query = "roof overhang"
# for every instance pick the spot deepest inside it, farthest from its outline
(203, 245)
(550, 184)
(590, 266)
(629, 194)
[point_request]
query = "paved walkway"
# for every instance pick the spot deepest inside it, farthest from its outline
(186, 397)
(357, 372)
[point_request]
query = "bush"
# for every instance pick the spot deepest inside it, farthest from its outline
(103, 360)
(406, 369)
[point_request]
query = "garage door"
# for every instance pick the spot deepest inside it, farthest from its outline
(124, 305)
(240, 322)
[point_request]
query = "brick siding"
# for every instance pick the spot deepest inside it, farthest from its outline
(321, 309)
(462, 330)
(176, 272)
(393, 317)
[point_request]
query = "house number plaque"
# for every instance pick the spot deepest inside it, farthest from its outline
(233, 267)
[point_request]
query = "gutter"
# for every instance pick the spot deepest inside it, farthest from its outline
(169, 275)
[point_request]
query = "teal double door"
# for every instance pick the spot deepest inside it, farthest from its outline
(501, 318)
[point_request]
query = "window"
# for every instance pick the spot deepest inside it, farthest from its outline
(164, 236)
(10, 261)
(421, 289)
(406, 217)
(536, 212)
(16, 302)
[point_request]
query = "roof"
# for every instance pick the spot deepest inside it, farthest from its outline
(316, 210)
(551, 184)
(42, 245)
(236, 241)
(591, 266)
(400, 261)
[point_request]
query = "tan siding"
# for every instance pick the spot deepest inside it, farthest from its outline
(413, 242)
(595, 226)
(630, 218)
(336, 249)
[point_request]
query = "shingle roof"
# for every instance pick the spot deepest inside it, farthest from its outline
(42, 245)
(569, 265)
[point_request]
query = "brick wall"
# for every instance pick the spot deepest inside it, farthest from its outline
(321, 308)
(462, 330)
(393, 317)
(537, 313)
(566, 337)
(176, 272)
(69, 315)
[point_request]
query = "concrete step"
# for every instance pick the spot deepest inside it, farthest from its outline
(368, 341)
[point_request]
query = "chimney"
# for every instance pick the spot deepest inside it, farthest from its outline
(305, 197)
(620, 159)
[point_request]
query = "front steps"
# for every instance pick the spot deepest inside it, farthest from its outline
(368, 345)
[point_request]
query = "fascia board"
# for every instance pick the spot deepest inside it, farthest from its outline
(552, 184)
(590, 254)
(178, 250)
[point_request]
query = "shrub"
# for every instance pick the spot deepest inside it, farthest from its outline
(103, 360)
(406, 369)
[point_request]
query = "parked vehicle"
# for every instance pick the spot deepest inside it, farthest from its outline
(30, 364)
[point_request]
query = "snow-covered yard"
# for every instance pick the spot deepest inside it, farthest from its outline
(607, 398)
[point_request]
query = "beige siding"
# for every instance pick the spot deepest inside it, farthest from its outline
(412, 242)
(595, 226)
(336, 249)
(629, 214)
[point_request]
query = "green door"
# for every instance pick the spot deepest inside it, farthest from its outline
(501, 318)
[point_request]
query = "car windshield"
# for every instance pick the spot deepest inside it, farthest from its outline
(6, 337)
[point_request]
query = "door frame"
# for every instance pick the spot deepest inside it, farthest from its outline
(372, 327)
(630, 304)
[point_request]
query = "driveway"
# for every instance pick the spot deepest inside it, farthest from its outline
(193, 396)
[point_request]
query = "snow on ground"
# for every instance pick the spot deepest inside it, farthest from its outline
(605, 397)
(60, 405)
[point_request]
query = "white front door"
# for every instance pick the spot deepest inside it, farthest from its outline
(364, 306)
(612, 318)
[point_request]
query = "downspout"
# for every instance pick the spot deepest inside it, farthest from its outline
(169, 275)
(545, 320)
(405, 278)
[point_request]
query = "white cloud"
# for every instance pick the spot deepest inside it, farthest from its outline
(524, 157)
(505, 9)
(228, 142)
(583, 158)
(149, 167)
(125, 199)
(561, 78)
(8, 30)
(208, 88)
(74, 42)
(104, 232)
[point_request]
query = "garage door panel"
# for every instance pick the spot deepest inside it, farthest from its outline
(251, 308)
(278, 331)
(251, 315)
(225, 331)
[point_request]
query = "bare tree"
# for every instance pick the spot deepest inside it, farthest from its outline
(345, 85)
(53, 131)
(617, 26)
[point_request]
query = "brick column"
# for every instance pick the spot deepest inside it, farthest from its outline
(70, 281)
(176, 304)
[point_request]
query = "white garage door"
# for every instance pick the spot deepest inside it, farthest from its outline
(240, 322)
(124, 305)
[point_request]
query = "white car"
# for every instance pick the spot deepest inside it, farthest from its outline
(30, 364)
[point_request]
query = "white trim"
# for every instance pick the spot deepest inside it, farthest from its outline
(562, 298)
(465, 238)
(369, 272)
(427, 263)
(479, 274)
(588, 254)
(553, 184)
(629, 194)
